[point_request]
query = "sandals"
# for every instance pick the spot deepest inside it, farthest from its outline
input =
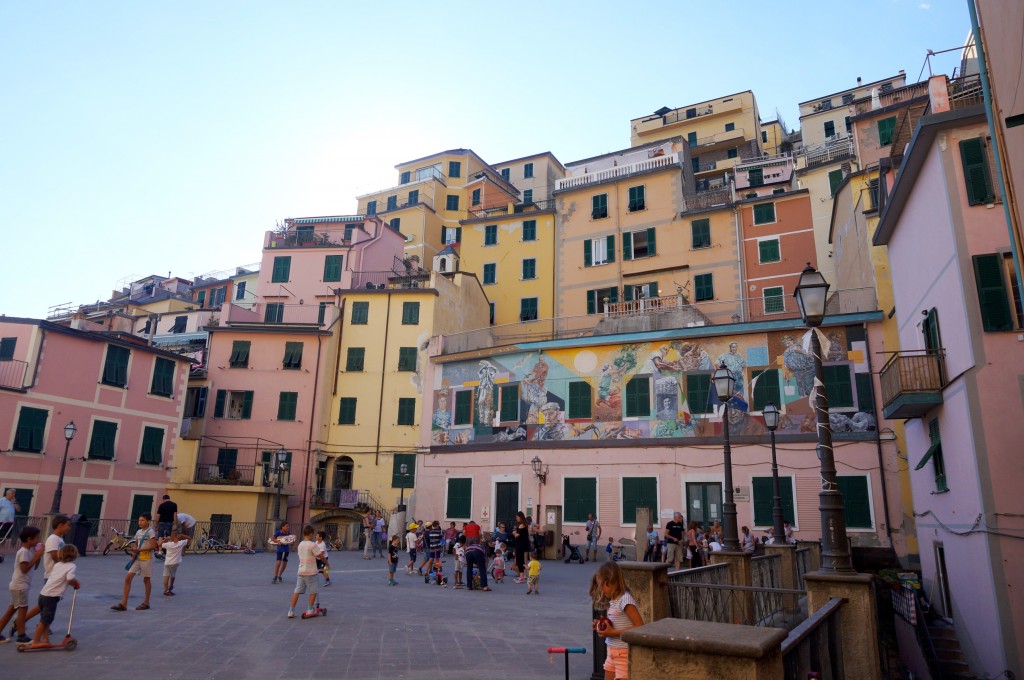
(486, 589)
(142, 607)
(118, 607)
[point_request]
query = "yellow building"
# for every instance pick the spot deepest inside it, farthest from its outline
(775, 137)
(534, 176)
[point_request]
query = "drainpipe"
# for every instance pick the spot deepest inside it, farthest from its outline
(878, 446)
(383, 368)
(739, 250)
(986, 92)
(312, 418)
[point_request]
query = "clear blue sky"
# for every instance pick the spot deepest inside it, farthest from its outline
(146, 138)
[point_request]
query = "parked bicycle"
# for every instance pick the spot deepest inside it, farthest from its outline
(120, 541)
(205, 543)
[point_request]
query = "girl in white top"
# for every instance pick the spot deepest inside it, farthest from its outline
(321, 562)
(623, 614)
(410, 545)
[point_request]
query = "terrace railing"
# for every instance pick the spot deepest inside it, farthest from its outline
(12, 373)
(813, 646)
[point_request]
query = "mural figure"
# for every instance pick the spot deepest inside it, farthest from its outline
(735, 363)
(442, 416)
(534, 389)
(658, 362)
(511, 434)
(692, 357)
(552, 429)
(860, 422)
(799, 363)
(836, 352)
(485, 394)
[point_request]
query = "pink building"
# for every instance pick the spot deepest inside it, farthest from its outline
(125, 399)
(957, 377)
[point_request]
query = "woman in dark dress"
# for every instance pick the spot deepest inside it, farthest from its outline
(521, 538)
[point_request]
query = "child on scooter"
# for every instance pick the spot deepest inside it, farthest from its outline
(28, 557)
(62, 576)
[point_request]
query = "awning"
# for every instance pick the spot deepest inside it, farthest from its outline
(932, 450)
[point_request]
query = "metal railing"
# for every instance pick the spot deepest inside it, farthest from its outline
(311, 238)
(813, 646)
(616, 172)
(829, 152)
(12, 373)
(803, 564)
(515, 209)
(964, 92)
(264, 313)
(743, 605)
(235, 535)
(341, 498)
(413, 278)
(912, 371)
(225, 475)
(718, 138)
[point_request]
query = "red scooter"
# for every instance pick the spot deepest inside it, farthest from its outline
(68, 644)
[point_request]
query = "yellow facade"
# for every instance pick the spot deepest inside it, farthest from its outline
(707, 123)
(772, 137)
(536, 174)
(816, 180)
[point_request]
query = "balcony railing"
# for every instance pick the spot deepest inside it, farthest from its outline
(885, 99)
(340, 498)
(12, 373)
(225, 474)
(838, 148)
(516, 208)
(319, 238)
(270, 313)
(617, 172)
(912, 382)
(964, 92)
(413, 278)
(718, 138)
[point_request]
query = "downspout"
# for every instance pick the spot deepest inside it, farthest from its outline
(986, 92)
(312, 419)
(878, 446)
(739, 250)
(383, 368)
(337, 363)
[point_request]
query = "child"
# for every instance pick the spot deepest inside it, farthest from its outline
(393, 549)
(282, 552)
(174, 548)
(499, 563)
(28, 557)
(652, 544)
(322, 566)
(623, 614)
(61, 526)
(142, 563)
(410, 545)
(61, 577)
(306, 579)
(460, 560)
(533, 580)
(608, 549)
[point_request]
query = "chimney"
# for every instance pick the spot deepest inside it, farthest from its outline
(858, 81)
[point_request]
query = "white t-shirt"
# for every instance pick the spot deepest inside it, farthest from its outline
(617, 615)
(321, 547)
(460, 555)
(57, 582)
(307, 558)
(187, 521)
(174, 550)
(53, 544)
(410, 540)
(22, 580)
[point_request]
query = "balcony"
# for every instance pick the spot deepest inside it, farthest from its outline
(718, 139)
(280, 314)
(225, 474)
(617, 172)
(12, 373)
(885, 99)
(836, 149)
(912, 383)
(311, 238)
(341, 498)
(512, 209)
(686, 114)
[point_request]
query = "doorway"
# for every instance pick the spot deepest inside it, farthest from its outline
(343, 473)
(703, 503)
(945, 597)
(506, 503)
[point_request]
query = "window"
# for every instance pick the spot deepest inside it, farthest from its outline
(934, 454)
(347, 234)
(406, 411)
(703, 287)
(764, 500)
(598, 298)
(529, 268)
(240, 290)
(274, 312)
(7, 348)
(490, 306)
(838, 386)
(638, 397)
(778, 190)
(640, 291)
(755, 177)
(767, 388)
(992, 295)
(201, 298)
(528, 309)
(528, 171)
(764, 213)
(354, 358)
(701, 233)
(638, 244)
(764, 136)
(152, 446)
(835, 178)
(287, 404)
(856, 501)
(406, 358)
(491, 235)
(459, 502)
(695, 164)
(529, 230)
(638, 492)
(282, 269)
(580, 400)
(729, 127)
(410, 313)
(579, 498)
(873, 196)
(450, 235)
(768, 251)
(454, 169)
(163, 377)
(31, 428)
(180, 324)
(774, 300)
(732, 153)
(233, 405)
(475, 200)
(101, 443)
(304, 235)
(115, 366)
(830, 128)
(371, 208)
(691, 139)
(509, 404)
(463, 408)
(227, 462)
(347, 411)
(506, 173)
(452, 202)
(886, 129)
(698, 392)
(321, 313)
(414, 197)
(490, 273)
(292, 355)
(976, 172)
(195, 402)
(847, 98)
(599, 251)
(599, 208)
(405, 177)
(269, 461)
(408, 480)
(332, 264)
(360, 313)
(636, 199)
(849, 124)
(527, 196)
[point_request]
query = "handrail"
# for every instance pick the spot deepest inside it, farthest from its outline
(802, 631)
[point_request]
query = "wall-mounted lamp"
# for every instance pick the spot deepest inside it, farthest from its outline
(540, 470)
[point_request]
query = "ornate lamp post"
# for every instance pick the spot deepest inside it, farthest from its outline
(724, 382)
(771, 421)
(811, 295)
(540, 470)
(69, 433)
(403, 471)
(281, 466)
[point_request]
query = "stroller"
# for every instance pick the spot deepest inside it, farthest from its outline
(569, 551)
(6, 534)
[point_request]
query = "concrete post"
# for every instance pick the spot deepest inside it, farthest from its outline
(740, 574)
(858, 613)
(787, 564)
(648, 581)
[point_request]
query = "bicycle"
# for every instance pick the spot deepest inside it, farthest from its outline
(203, 544)
(120, 541)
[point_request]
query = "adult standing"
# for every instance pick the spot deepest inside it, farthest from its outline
(165, 513)
(476, 558)
(674, 540)
(694, 546)
(9, 508)
(368, 525)
(537, 534)
(378, 535)
(593, 537)
(521, 541)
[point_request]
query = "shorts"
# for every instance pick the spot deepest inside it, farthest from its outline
(163, 529)
(617, 660)
(320, 564)
(676, 552)
(186, 530)
(304, 584)
(282, 557)
(532, 580)
(435, 554)
(47, 608)
(19, 599)
(144, 567)
(499, 574)
(391, 568)
(592, 542)
(170, 570)
(412, 555)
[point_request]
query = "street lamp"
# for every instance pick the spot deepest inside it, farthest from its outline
(540, 470)
(403, 471)
(69, 433)
(811, 295)
(724, 382)
(282, 457)
(771, 421)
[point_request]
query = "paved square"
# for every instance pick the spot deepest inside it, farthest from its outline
(228, 621)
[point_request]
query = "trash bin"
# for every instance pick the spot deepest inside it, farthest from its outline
(80, 528)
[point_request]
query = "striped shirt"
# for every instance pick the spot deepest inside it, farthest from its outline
(617, 615)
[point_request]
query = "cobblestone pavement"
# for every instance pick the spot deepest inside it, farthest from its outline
(227, 620)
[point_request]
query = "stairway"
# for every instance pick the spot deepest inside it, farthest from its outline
(947, 648)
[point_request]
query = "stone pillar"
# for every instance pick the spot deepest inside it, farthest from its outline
(648, 581)
(787, 565)
(858, 613)
(740, 574)
(696, 650)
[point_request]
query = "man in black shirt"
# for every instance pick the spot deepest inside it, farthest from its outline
(675, 537)
(165, 516)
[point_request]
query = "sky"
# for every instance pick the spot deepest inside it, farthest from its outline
(155, 137)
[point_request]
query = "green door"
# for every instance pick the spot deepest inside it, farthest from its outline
(703, 503)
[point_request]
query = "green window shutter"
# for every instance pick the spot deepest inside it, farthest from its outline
(764, 500)
(698, 392)
(282, 269)
(7, 348)
(163, 377)
(410, 313)
(835, 178)
(886, 129)
(579, 498)
(406, 358)
(600, 206)
(227, 461)
(528, 309)
(638, 492)
(321, 313)
(101, 445)
(452, 202)
(409, 459)
(490, 273)
(287, 404)
(463, 407)
(768, 251)
(274, 313)
(865, 393)
(530, 230)
(591, 302)
(838, 387)
(392, 202)
(703, 287)
(610, 244)
(527, 196)
(930, 329)
(405, 176)
(31, 428)
(637, 199)
(347, 412)
(767, 388)
(580, 399)
(627, 246)
(764, 213)
(774, 300)
(530, 268)
(460, 498)
(638, 397)
(856, 501)
(406, 411)
(491, 235)
(995, 304)
(976, 176)
(218, 408)
(247, 397)
(414, 197)
(701, 232)
(115, 367)
(652, 246)
(627, 293)
(691, 139)
(528, 171)
(239, 354)
(90, 505)
(354, 359)
(332, 267)
(360, 313)
(292, 355)
(454, 169)
(152, 446)
(588, 255)
(509, 403)
(476, 197)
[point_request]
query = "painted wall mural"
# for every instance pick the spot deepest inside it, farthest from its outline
(650, 390)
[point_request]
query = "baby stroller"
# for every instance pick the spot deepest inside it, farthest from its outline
(569, 551)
